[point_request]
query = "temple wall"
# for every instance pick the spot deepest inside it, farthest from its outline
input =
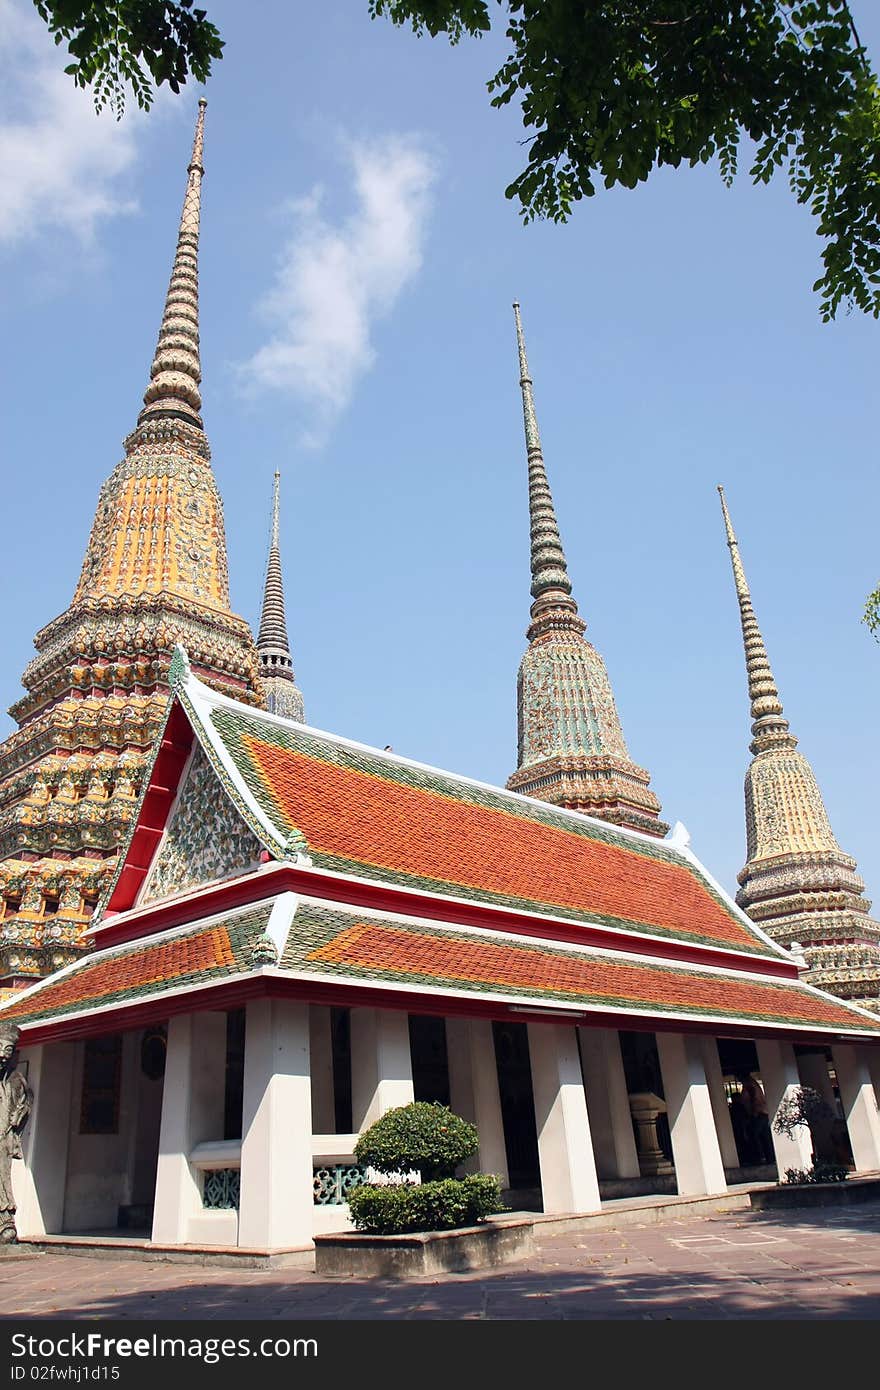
(109, 1171)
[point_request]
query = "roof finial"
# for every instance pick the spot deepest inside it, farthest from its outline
(176, 371)
(769, 726)
(273, 643)
(276, 490)
(551, 586)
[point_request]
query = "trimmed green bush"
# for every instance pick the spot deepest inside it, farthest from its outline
(399, 1208)
(425, 1138)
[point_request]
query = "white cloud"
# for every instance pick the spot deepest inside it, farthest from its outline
(60, 162)
(334, 281)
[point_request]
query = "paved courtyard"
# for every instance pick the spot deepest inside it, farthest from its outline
(818, 1263)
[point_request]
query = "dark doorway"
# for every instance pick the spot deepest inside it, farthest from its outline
(234, 1095)
(430, 1065)
(340, 1038)
(641, 1065)
(517, 1104)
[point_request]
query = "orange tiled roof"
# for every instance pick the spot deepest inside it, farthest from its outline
(364, 814)
(120, 976)
(343, 942)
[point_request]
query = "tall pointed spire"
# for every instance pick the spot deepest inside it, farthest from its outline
(571, 746)
(273, 643)
(797, 882)
(553, 605)
(154, 574)
(159, 523)
(769, 727)
(176, 372)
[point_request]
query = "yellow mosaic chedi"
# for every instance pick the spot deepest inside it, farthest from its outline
(797, 882)
(154, 574)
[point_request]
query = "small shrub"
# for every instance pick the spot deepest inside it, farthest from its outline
(425, 1138)
(820, 1172)
(430, 1206)
(803, 1106)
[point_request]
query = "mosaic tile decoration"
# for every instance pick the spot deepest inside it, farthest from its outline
(206, 839)
(362, 814)
(334, 942)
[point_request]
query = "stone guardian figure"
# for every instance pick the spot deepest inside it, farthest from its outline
(16, 1099)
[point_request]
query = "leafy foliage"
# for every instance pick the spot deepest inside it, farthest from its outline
(117, 45)
(820, 1172)
(803, 1106)
(872, 613)
(613, 89)
(426, 1138)
(431, 1206)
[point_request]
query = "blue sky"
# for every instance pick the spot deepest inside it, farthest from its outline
(358, 265)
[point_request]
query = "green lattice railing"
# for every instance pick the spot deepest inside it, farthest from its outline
(333, 1183)
(222, 1189)
(331, 1186)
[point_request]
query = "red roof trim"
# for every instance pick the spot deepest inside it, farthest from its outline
(174, 749)
(236, 994)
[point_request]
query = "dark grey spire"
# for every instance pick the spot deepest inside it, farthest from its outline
(273, 644)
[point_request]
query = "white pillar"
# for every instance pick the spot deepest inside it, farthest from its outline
(321, 1051)
(38, 1183)
(695, 1148)
(859, 1105)
(720, 1107)
(473, 1091)
(193, 1103)
(381, 1065)
(569, 1181)
(611, 1124)
(277, 1202)
(779, 1078)
(813, 1071)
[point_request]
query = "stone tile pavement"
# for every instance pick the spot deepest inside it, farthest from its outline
(820, 1263)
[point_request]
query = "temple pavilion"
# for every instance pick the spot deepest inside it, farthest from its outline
(295, 932)
(303, 932)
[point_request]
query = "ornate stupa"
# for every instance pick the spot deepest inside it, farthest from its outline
(154, 574)
(797, 883)
(571, 749)
(273, 644)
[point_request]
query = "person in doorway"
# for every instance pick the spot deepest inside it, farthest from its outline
(755, 1103)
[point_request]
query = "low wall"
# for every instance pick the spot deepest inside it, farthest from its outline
(431, 1252)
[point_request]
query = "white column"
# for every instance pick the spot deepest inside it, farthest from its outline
(193, 1103)
(277, 1202)
(720, 1107)
(473, 1091)
(859, 1105)
(381, 1065)
(569, 1181)
(608, 1103)
(813, 1071)
(321, 1050)
(779, 1078)
(39, 1181)
(695, 1148)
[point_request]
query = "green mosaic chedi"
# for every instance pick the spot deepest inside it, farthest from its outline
(571, 746)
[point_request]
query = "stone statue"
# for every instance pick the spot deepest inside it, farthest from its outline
(16, 1098)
